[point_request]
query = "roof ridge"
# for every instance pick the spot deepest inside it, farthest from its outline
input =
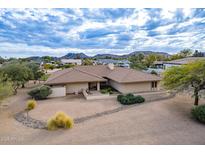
(88, 73)
(60, 74)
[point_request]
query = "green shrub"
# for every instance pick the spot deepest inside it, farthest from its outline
(139, 99)
(60, 120)
(104, 91)
(107, 91)
(124, 100)
(130, 95)
(130, 99)
(40, 92)
(119, 98)
(44, 77)
(31, 104)
(198, 113)
(154, 72)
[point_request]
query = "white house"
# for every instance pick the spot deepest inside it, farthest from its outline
(160, 66)
(71, 61)
(178, 62)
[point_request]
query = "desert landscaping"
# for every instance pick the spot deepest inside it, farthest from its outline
(159, 122)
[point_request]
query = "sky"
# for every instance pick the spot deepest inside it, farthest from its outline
(55, 32)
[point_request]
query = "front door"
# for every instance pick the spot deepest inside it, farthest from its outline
(92, 86)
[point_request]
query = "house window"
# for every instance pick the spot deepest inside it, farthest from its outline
(154, 84)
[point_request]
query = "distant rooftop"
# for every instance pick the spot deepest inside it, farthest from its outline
(181, 61)
(107, 61)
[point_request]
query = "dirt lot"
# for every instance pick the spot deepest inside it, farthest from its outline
(160, 122)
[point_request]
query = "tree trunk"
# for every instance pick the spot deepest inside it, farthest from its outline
(15, 91)
(23, 85)
(196, 97)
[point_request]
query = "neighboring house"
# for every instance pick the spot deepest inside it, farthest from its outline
(79, 78)
(178, 62)
(120, 63)
(71, 61)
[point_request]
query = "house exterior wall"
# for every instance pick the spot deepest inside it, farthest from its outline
(76, 87)
(170, 65)
(132, 87)
(58, 91)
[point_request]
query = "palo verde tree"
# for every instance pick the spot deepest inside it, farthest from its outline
(190, 77)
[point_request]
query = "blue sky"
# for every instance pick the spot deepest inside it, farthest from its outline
(55, 32)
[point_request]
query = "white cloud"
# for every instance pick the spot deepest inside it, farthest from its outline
(187, 12)
(164, 29)
(168, 13)
(133, 25)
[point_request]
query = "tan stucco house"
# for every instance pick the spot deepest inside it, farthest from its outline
(79, 78)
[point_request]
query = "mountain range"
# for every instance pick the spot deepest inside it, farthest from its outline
(81, 55)
(101, 56)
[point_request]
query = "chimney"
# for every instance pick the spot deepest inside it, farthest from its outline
(111, 66)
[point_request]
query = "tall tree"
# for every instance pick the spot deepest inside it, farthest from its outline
(136, 62)
(37, 73)
(87, 61)
(47, 59)
(150, 59)
(18, 73)
(185, 52)
(5, 87)
(2, 60)
(198, 54)
(189, 77)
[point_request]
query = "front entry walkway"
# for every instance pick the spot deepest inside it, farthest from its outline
(91, 95)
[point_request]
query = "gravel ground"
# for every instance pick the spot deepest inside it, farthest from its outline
(160, 122)
(75, 106)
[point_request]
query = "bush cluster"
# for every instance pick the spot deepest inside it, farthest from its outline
(60, 120)
(31, 104)
(130, 99)
(40, 92)
(107, 91)
(198, 113)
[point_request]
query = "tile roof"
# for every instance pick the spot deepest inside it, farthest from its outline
(97, 72)
(72, 76)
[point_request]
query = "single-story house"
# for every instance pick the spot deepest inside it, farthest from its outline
(71, 61)
(121, 63)
(178, 62)
(79, 78)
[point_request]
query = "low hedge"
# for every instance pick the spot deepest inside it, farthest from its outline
(198, 113)
(130, 99)
(40, 92)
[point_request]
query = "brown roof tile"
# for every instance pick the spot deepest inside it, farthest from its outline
(72, 76)
(97, 72)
